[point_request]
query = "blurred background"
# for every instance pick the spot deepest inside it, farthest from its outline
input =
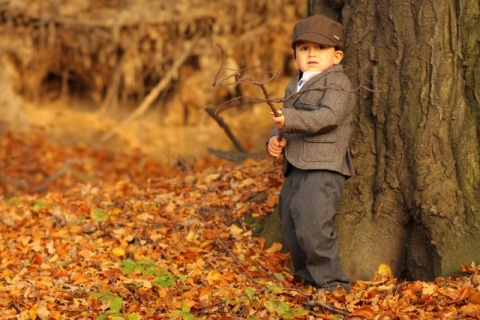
(124, 74)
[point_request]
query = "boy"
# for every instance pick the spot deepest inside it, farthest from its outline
(315, 124)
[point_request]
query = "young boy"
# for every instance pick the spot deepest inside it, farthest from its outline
(315, 124)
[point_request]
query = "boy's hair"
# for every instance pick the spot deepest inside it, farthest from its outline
(295, 52)
(319, 29)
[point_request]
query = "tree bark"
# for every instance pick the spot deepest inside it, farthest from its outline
(414, 202)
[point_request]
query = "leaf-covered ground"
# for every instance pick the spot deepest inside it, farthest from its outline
(87, 234)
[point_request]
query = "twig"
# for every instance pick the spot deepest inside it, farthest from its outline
(261, 84)
(150, 98)
(299, 291)
(202, 310)
(57, 174)
(325, 306)
(225, 128)
(251, 81)
(464, 314)
(265, 94)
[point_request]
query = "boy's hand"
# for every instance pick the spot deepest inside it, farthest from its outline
(279, 121)
(275, 147)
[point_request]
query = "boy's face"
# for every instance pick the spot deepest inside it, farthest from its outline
(312, 56)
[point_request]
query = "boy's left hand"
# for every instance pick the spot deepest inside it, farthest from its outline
(279, 121)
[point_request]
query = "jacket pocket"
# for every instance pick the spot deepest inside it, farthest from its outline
(319, 147)
(330, 137)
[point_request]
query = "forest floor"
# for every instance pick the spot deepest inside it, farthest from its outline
(91, 234)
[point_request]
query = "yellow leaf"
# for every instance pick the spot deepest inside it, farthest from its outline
(384, 270)
(115, 211)
(76, 229)
(235, 231)
(191, 236)
(43, 313)
(33, 312)
(55, 315)
(188, 302)
(213, 277)
(60, 233)
(212, 177)
(200, 263)
(429, 288)
(238, 175)
(118, 251)
(6, 273)
(246, 182)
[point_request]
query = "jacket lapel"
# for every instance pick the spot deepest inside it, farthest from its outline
(292, 86)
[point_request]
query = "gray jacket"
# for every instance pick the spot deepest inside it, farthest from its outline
(317, 122)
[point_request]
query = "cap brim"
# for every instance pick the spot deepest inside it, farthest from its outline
(314, 37)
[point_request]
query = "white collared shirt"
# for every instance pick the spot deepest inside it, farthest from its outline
(307, 75)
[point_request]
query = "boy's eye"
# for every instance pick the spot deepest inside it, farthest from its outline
(316, 47)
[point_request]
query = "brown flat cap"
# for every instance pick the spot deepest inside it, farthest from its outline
(319, 29)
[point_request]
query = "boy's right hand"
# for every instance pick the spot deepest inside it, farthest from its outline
(275, 147)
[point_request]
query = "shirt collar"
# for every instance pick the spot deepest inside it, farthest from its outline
(307, 75)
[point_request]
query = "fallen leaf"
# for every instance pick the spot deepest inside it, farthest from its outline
(475, 298)
(118, 251)
(235, 231)
(275, 247)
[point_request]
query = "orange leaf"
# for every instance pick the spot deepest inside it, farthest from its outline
(205, 244)
(229, 277)
(466, 268)
(190, 256)
(276, 247)
(365, 312)
(60, 273)
(464, 293)
(37, 259)
(475, 298)
(204, 293)
(245, 196)
(261, 242)
(272, 200)
(209, 235)
(133, 308)
(469, 308)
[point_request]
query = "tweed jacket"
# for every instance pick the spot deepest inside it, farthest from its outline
(317, 122)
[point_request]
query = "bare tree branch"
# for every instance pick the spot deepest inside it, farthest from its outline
(225, 128)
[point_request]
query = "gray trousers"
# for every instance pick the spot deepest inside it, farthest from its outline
(307, 205)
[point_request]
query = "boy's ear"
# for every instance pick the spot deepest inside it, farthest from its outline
(338, 57)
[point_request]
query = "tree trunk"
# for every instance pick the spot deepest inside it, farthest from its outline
(414, 202)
